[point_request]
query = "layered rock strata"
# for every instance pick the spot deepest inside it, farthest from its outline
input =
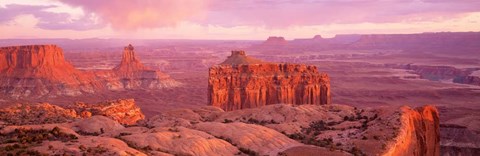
(244, 82)
(41, 70)
(419, 133)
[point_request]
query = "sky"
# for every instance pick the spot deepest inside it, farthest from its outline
(231, 19)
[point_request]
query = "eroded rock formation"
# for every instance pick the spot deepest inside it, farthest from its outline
(244, 82)
(41, 70)
(133, 74)
(122, 111)
(279, 129)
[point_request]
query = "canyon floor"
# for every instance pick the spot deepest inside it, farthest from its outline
(359, 78)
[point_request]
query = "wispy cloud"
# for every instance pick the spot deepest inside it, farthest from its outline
(49, 20)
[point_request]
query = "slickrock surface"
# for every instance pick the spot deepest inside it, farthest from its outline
(181, 141)
(256, 138)
(244, 82)
(97, 125)
(123, 111)
(41, 70)
(280, 129)
(88, 145)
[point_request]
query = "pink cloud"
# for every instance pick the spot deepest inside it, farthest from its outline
(140, 14)
(284, 13)
(135, 14)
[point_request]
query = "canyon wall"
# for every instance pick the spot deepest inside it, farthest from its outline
(41, 70)
(466, 41)
(238, 83)
(33, 56)
(419, 133)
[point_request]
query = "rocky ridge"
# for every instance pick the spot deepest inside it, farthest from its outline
(243, 82)
(280, 129)
(122, 111)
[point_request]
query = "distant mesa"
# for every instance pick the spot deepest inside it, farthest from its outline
(30, 57)
(318, 37)
(244, 82)
(41, 70)
(274, 40)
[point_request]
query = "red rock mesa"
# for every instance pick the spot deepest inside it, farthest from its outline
(41, 70)
(245, 82)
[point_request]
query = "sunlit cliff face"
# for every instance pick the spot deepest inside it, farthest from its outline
(216, 19)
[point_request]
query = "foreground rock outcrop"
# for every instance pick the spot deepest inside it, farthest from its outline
(41, 70)
(244, 82)
(122, 111)
(279, 129)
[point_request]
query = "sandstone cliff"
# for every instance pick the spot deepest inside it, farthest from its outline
(31, 57)
(41, 70)
(244, 82)
(419, 132)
